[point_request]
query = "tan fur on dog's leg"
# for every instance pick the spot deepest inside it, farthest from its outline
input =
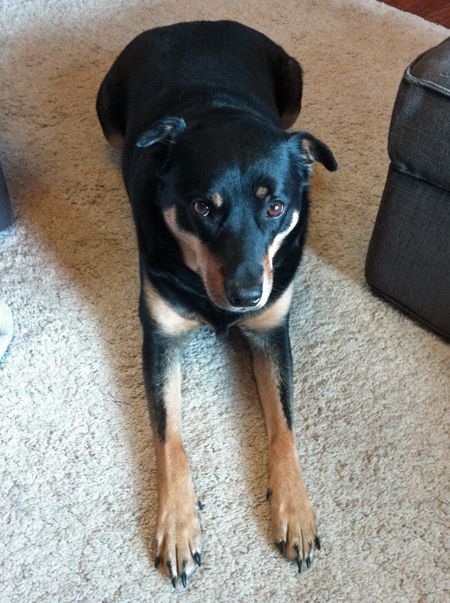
(178, 527)
(293, 520)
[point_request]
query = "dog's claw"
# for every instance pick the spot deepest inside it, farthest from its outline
(298, 559)
(200, 505)
(157, 562)
(308, 562)
(317, 543)
(197, 558)
(173, 577)
(282, 547)
(184, 579)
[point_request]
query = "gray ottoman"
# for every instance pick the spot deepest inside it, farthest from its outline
(5, 206)
(408, 260)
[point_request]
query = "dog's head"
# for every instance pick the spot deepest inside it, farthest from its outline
(230, 193)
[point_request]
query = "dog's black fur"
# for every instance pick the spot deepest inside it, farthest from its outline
(200, 111)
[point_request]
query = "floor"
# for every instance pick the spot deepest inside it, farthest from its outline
(78, 499)
(436, 11)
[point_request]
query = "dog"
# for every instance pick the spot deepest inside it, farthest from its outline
(219, 194)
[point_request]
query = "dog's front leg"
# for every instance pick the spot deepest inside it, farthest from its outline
(178, 531)
(293, 519)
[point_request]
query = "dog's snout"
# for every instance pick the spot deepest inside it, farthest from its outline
(243, 296)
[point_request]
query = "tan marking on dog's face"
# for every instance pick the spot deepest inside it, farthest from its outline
(268, 266)
(217, 200)
(268, 260)
(166, 317)
(262, 192)
(189, 243)
(279, 238)
(267, 283)
(274, 314)
(199, 259)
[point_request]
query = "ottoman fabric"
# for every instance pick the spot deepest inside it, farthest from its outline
(5, 205)
(419, 137)
(409, 254)
(408, 260)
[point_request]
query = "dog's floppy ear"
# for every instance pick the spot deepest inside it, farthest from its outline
(312, 149)
(164, 130)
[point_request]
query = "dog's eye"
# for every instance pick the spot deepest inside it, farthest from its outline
(201, 208)
(275, 209)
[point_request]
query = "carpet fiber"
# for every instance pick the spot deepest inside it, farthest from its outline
(77, 489)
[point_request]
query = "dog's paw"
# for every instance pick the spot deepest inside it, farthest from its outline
(178, 537)
(293, 520)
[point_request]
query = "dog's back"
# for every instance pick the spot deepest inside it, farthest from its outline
(168, 69)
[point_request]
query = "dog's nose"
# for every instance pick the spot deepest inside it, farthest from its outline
(243, 297)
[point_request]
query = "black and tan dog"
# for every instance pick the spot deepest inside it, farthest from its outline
(219, 195)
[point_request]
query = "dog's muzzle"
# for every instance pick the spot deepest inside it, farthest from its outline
(243, 295)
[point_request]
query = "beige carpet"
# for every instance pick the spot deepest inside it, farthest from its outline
(372, 389)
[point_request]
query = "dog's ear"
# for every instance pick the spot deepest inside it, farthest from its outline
(164, 130)
(312, 149)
